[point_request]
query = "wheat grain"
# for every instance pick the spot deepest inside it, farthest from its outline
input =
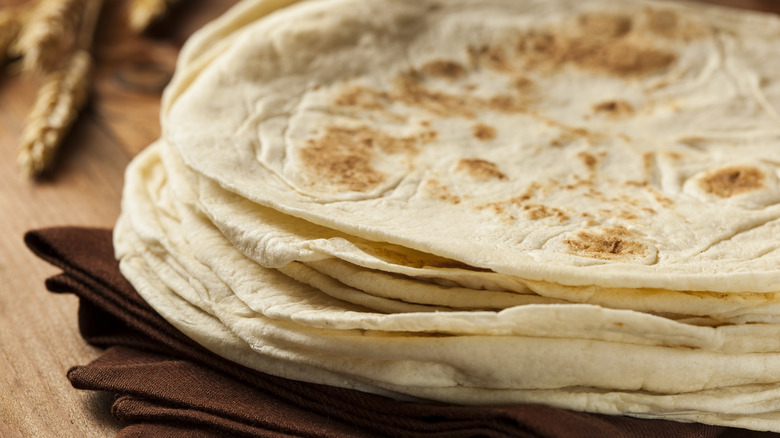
(51, 27)
(57, 105)
(145, 12)
(10, 24)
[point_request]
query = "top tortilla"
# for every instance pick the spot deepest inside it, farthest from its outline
(540, 139)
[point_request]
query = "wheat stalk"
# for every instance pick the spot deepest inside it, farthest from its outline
(51, 26)
(59, 100)
(145, 12)
(56, 107)
(10, 25)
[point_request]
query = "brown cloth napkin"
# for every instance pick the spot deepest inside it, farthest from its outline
(166, 385)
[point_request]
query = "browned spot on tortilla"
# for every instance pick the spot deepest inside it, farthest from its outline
(506, 104)
(589, 160)
(668, 24)
(343, 156)
(492, 57)
(613, 56)
(607, 243)
(618, 324)
(605, 25)
(627, 214)
(522, 83)
(733, 180)
(662, 22)
(410, 90)
(659, 197)
(480, 170)
(483, 132)
(445, 69)
(434, 188)
(615, 108)
(364, 98)
(539, 211)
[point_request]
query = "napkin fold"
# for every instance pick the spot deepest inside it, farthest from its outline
(169, 386)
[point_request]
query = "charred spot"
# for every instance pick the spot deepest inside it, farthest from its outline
(614, 108)
(363, 98)
(662, 22)
(609, 243)
(410, 90)
(480, 170)
(343, 156)
(733, 180)
(605, 25)
(539, 211)
(435, 189)
(589, 160)
(491, 57)
(483, 132)
(613, 56)
(445, 69)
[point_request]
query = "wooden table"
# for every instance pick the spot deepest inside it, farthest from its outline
(39, 337)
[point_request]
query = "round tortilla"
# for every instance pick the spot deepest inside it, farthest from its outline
(574, 147)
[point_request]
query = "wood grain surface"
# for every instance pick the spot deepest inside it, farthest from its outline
(39, 337)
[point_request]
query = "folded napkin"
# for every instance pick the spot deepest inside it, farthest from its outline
(169, 386)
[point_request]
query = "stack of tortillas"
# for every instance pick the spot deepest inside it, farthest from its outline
(476, 201)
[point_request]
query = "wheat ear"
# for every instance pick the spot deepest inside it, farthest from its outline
(51, 25)
(59, 100)
(145, 12)
(10, 25)
(57, 105)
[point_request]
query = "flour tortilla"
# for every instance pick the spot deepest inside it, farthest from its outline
(274, 240)
(611, 174)
(749, 406)
(203, 252)
(451, 368)
(326, 253)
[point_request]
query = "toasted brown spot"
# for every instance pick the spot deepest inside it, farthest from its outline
(411, 91)
(539, 211)
(434, 188)
(734, 180)
(483, 132)
(661, 22)
(343, 156)
(668, 24)
(589, 160)
(608, 243)
(614, 56)
(506, 104)
(626, 214)
(614, 108)
(605, 25)
(674, 155)
(364, 98)
(492, 57)
(522, 83)
(480, 170)
(445, 69)
(659, 197)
